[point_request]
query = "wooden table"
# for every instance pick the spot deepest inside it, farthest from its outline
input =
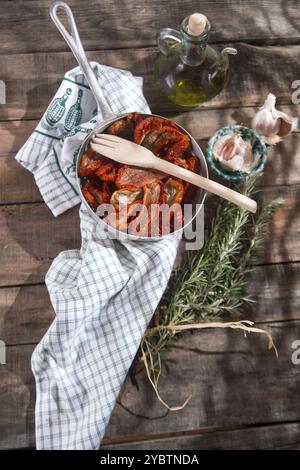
(243, 397)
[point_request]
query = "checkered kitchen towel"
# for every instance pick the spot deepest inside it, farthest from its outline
(104, 294)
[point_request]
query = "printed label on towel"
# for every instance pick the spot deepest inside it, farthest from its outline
(57, 108)
(53, 118)
(74, 114)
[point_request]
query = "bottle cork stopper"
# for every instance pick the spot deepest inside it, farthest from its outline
(196, 24)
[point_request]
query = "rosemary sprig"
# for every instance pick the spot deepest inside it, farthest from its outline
(209, 283)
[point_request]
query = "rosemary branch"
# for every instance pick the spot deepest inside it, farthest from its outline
(211, 282)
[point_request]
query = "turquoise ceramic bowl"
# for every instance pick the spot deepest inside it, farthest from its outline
(258, 146)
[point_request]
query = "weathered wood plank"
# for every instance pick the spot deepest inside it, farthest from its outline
(26, 311)
(201, 123)
(283, 167)
(30, 238)
(28, 248)
(129, 24)
(25, 314)
(235, 381)
(17, 391)
(283, 241)
(32, 79)
(13, 134)
(276, 290)
(17, 183)
(272, 437)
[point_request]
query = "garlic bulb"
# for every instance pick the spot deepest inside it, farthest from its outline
(272, 124)
(234, 153)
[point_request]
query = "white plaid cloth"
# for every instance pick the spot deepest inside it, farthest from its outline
(104, 294)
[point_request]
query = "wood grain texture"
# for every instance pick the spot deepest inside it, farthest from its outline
(243, 397)
(276, 290)
(25, 314)
(17, 393)
(32, 79)
(30, 238)
(26, 311)
(17, 183)
(283, 241)
(115, 24)
(235, 382)
(283, 167)
(272, 437)
(201, 123)
(13, 135)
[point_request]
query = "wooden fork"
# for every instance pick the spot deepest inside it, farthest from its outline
(130, 153)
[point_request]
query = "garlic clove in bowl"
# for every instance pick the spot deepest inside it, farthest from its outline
(272, 124)
(235, 152)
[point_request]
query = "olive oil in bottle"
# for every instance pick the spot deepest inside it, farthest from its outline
(187, 70)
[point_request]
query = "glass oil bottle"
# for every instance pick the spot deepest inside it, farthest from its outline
(188, 70)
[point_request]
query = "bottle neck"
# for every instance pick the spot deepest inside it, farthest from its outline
(193, 48)
(66, 95)
(64, 98)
